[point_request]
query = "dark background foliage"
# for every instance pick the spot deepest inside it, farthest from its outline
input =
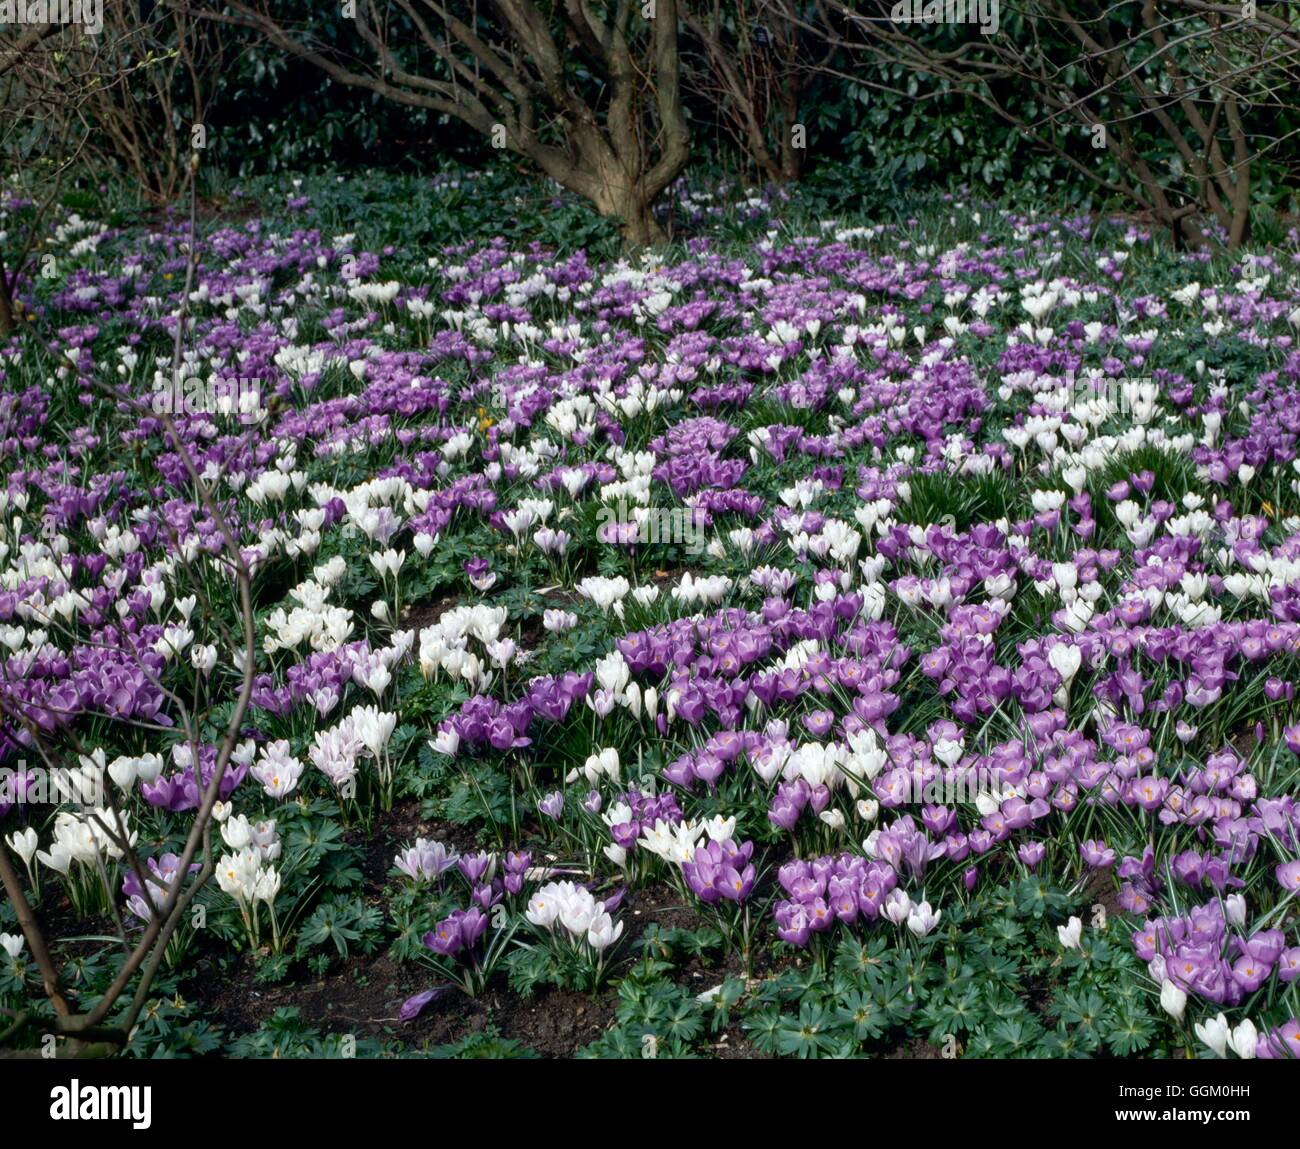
(874, 128)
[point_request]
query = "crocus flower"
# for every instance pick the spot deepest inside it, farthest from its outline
(1288, 875)
(897, 907)
(603, 932)
(1031, 854)
(1282, 1043)
(1070, 934)
(414, 1005)
(1097, 854)
(1244, 1039)
(445, 938)
(1214, 1033)
(24, 843)
(1173, 1000)
(923, 919)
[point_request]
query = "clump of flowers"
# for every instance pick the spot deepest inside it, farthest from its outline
(247, 876)
(576, 930)
(454, 940)
(721, 874)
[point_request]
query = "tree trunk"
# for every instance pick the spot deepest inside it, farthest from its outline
(791, 157)
(518, 77)
(6, 307)
(643, 230)
(631, 205)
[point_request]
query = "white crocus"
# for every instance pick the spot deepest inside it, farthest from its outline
(1069, 934)
(1244, 1039)
(1214, 1033)
(1173, 1000)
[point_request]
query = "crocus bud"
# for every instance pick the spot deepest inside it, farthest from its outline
(1235, 909)
(1173, 1000)
(1214, 1032)
(24, 843)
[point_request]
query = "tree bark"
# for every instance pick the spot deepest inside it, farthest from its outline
(640, 228)
(6, 301)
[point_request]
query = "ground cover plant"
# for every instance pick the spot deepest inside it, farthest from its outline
(819, 637)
